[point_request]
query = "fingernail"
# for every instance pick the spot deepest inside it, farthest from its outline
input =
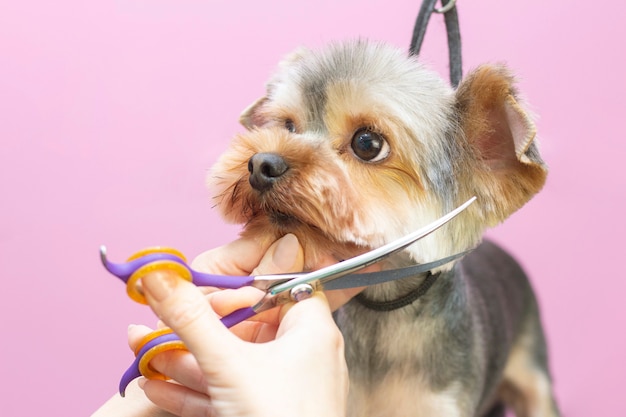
(141, 382)
(286, 252)
(159, 285)
(131, 326)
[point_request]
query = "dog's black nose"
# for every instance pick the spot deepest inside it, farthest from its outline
(265, 169)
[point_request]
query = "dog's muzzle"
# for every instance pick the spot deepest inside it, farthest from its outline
(265, 169)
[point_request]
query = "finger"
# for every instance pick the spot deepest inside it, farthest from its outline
(238, 257)
(176, 364)
(284, 255)
(184, 308)
(177, 399)
(260, 328)
(136, 332)
(227, 301)
(314, 310)
(312, 320)
(182, 367)
(256, 331)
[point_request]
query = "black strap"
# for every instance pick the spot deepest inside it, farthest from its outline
(401, 302)
(451, 18)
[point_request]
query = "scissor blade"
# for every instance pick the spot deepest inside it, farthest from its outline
(361, 261)
(379, 277)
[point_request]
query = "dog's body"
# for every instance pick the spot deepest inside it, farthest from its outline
(357, 145)
(472, 340)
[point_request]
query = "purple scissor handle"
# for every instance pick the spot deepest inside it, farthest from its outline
(279, 289)
(168, 259)
(164, 258)
(164, 340)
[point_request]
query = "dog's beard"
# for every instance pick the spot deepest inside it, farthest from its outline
(271, 211)
(315, 200)
(267, 217)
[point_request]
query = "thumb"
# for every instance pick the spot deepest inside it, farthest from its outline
(312, 318)
(184, 308)
(285, 255)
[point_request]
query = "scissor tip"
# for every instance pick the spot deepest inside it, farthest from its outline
(103, 253)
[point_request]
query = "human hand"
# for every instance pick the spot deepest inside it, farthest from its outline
(300, 370)
(248, 257)
(240, 257)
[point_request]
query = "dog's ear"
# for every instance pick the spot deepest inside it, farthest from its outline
(501, 134)
(251, 117)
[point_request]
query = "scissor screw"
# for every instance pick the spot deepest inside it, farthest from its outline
(301, 292)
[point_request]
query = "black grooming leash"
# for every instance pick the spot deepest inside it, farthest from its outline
(451, 18)
(405, 300)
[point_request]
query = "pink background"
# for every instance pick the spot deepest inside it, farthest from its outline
(112, 111)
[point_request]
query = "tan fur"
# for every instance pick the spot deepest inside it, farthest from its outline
(390, 400)
(505, 178)
(526, 387)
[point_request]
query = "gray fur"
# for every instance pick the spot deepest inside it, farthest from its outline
(471, 318)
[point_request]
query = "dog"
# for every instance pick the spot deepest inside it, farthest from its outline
(357, 144)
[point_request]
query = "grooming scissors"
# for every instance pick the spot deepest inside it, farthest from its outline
(279, 288)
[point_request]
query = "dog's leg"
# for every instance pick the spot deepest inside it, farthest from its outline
(527, 386)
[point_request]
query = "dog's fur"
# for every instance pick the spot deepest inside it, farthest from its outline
(357, 145)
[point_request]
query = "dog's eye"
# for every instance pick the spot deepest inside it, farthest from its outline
(290, 125)
(369, 146)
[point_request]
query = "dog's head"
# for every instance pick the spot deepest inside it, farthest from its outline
(357, 144)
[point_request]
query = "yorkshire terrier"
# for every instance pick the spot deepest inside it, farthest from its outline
(358, 144)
